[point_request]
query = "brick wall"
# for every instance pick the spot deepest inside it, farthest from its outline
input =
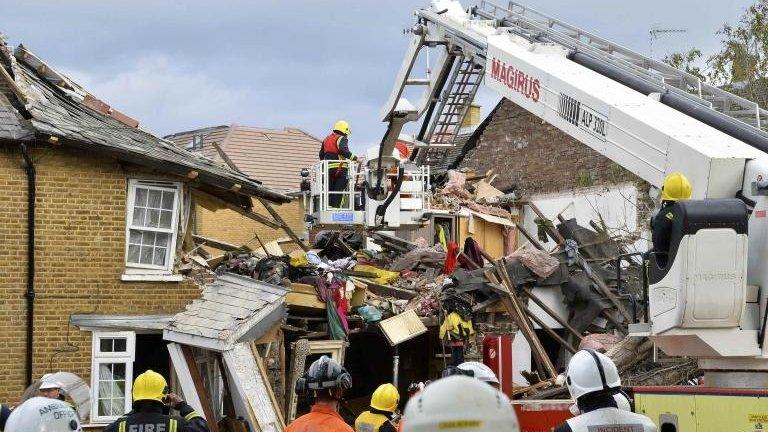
(538, 158)
(231, 227)
(80, 243)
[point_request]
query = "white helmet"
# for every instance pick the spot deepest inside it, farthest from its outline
(590, 372)
(460, 404)
(480, 371)
(41, 414)
(49, 382)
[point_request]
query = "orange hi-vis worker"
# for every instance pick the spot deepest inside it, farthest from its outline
(328, 380)
(336, 148)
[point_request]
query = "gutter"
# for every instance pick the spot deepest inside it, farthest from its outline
(30, 292)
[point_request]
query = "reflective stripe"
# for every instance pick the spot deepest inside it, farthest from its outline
(121, 428)
(192, 415)
(174, 424)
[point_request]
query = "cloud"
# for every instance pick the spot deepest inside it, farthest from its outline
(166, 95)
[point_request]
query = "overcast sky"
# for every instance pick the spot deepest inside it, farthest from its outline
(184, 64)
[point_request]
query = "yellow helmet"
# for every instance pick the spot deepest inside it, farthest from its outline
(385, 398)
(149, 386)
(342, 127)
(676, 187)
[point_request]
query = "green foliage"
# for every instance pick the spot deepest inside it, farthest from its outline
(742, 57)
(686, 61)
(584, 179)
(741, 64)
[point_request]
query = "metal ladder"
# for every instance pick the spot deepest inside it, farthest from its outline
(453, 106)
(529, 23)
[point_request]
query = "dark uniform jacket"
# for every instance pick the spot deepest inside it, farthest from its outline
(661, 228)
(5, 412)
(149, 417)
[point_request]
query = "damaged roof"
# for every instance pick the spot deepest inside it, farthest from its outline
(232, 309)
(275, 155)
(41, 104)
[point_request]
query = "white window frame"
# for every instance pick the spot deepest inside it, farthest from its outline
(170, 255)
(98, 357)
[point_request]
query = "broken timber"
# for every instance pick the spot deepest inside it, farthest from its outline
(602, 287)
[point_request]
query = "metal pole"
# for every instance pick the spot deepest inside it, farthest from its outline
(395, 365)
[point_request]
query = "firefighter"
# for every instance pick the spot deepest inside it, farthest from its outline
(5, 412)
(459, 404)
(594, 382)
(382, 416)
(336, 148)
(42, 414)
(150, 403)
(676, 188)
(328, 381)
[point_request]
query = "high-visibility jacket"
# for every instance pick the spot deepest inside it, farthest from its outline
(375, 421)
(335, 148)
(321, 418)
(454, 327)
(608, 419)
(150, 417)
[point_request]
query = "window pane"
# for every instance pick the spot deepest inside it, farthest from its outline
(163, 240)
(146, 255)
(159, 258)
(133, 253)
(105, 345)
(120, 344)
(155, 198)
(141, 197)
(118, 371)
(118, 407)
(148, 238)
(165, 218)
(168, 200)
(153, 218)
(135, 237)
(105, 374)
(138, 216)
(105, 407)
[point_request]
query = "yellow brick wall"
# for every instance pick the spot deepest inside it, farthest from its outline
(229, 226)
(80, 243)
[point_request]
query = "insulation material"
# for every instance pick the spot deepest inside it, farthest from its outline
(251, 388)
(403, 327)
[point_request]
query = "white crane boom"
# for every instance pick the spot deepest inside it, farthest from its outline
(623, 106)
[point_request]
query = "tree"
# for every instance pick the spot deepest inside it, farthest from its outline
(741, 64)
(686, 61)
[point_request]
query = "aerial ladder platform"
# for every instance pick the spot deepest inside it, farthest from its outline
(709, 300)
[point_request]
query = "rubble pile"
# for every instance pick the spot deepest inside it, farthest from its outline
(347, 282)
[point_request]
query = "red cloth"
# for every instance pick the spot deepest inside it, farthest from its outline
(450, 258)
(321, 418)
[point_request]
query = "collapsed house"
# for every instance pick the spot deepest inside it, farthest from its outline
(100, 251)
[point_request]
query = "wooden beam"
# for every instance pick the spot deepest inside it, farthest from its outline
(551, 313)
(602, 287)
(218, 244)
(283, 225)
(514, 309)
(202, 392)
(247, 213)
(225, 157)
(548, 330)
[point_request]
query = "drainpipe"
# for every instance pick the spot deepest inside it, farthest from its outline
(30, 293)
